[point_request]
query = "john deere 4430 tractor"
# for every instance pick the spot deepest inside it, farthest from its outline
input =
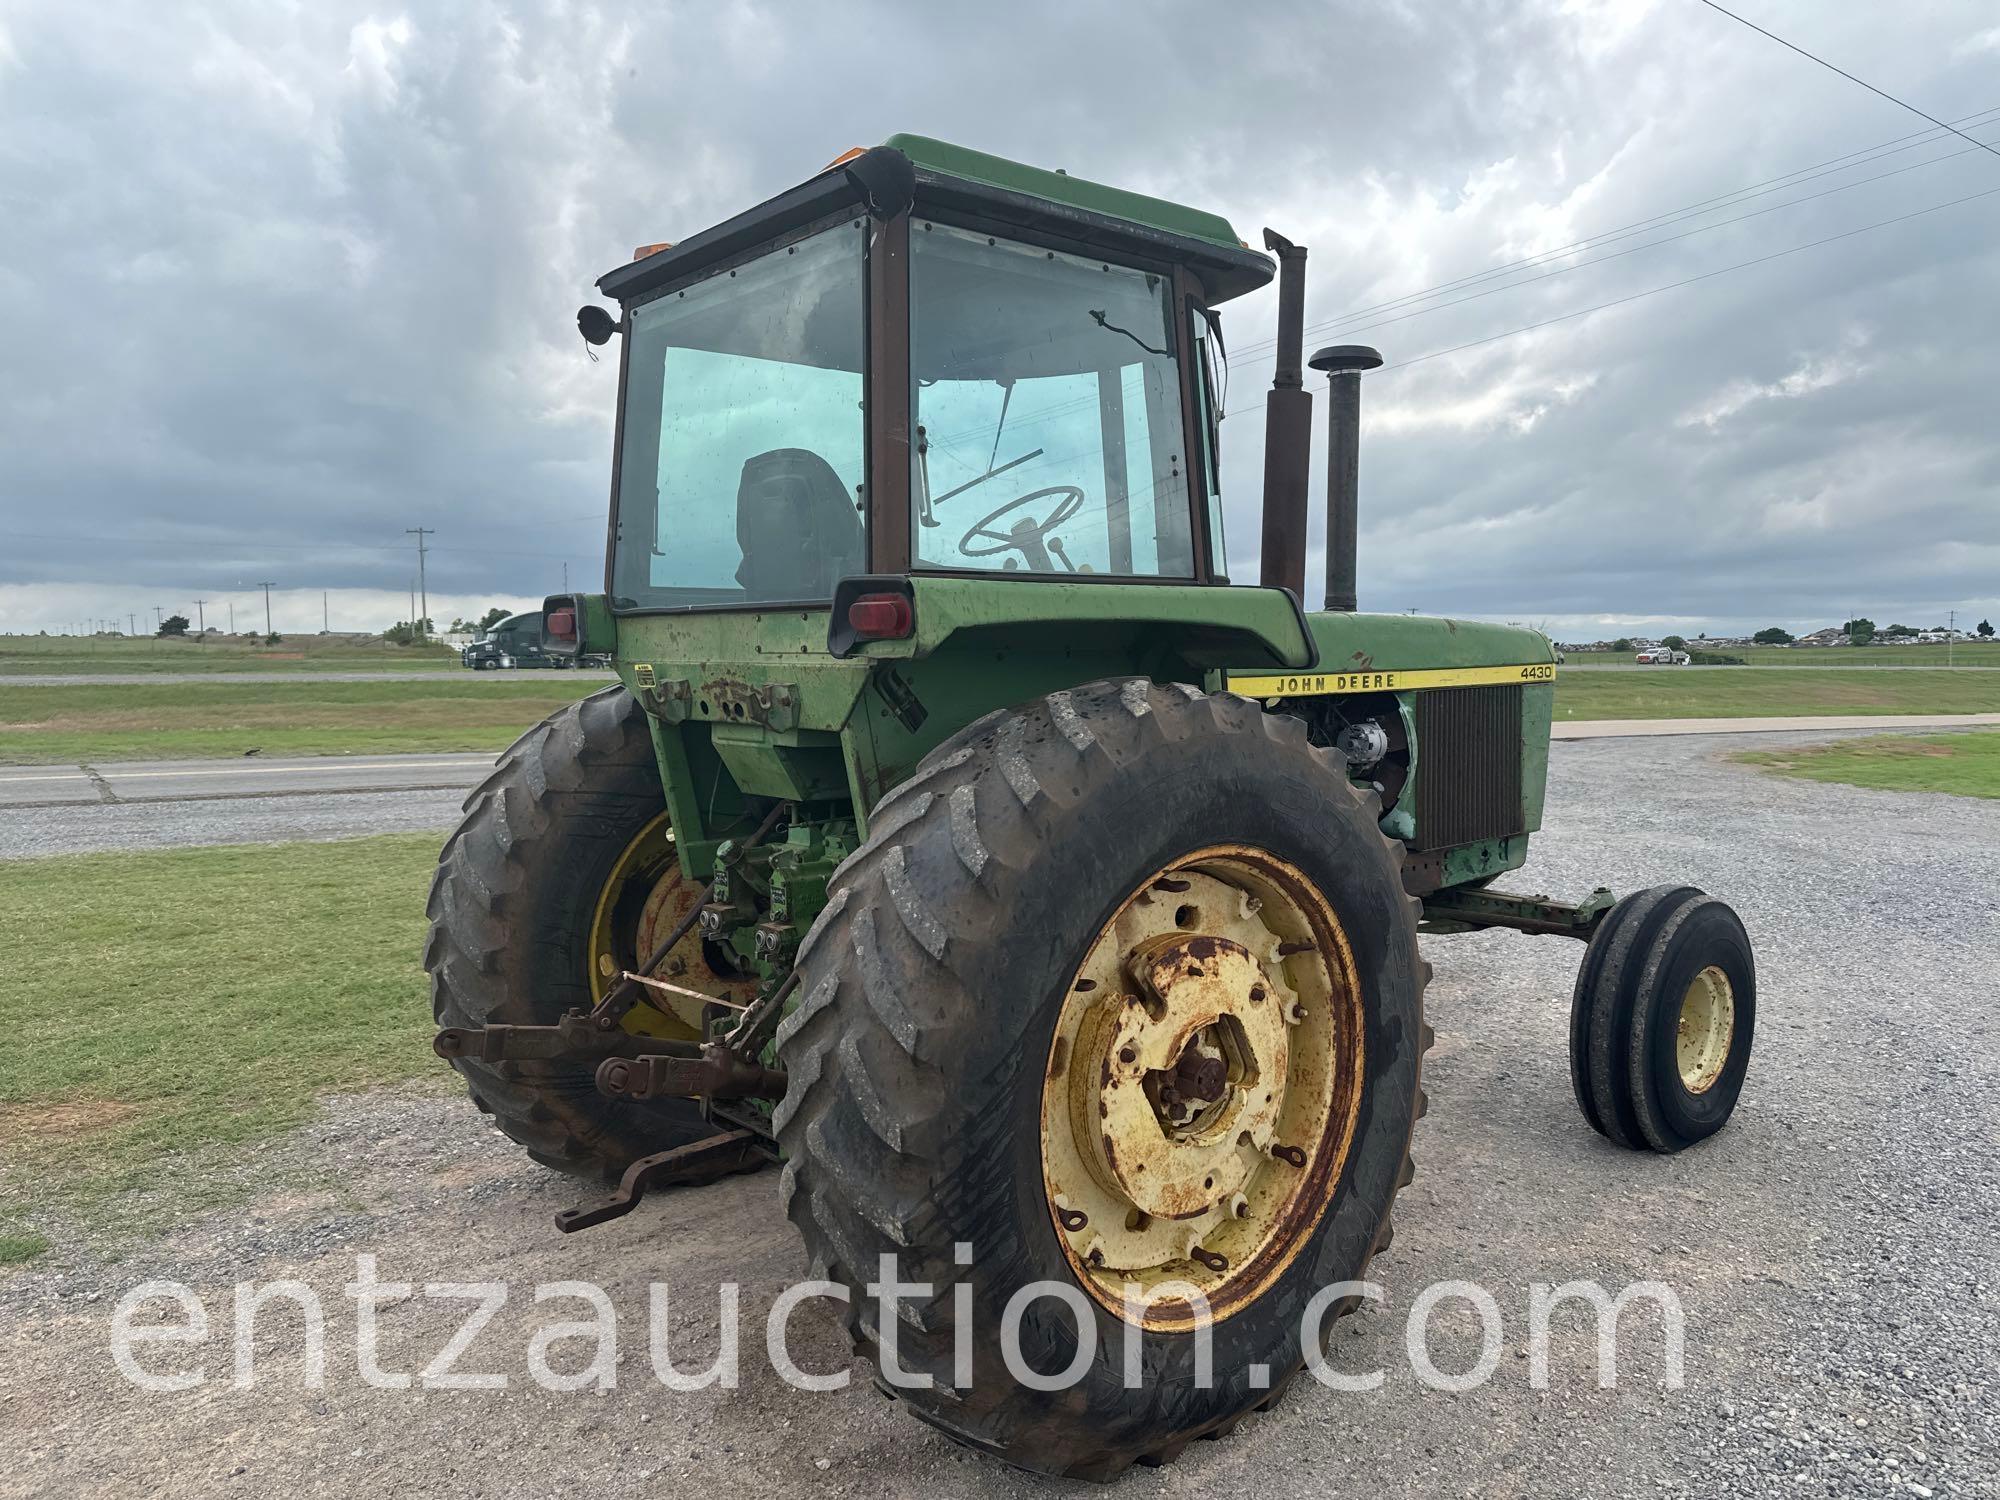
(963, 838)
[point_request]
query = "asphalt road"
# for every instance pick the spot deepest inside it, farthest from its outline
(48, 810)
(111, 782)
(1833, 1250)
(149, 679)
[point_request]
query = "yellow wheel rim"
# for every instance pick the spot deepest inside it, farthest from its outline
(1707, 1026)
(642, 898)
(1202, 1086)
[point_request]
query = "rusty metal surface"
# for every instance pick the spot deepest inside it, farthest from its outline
(774, 705)
(701, 1161)
(716, 1073)
(1465, 910)
(1202, 1085)
(575, 1037)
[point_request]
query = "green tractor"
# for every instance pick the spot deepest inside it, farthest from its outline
(963, 839)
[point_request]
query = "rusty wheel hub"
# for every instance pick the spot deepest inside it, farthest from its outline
(643, 898)
(1201, 1085)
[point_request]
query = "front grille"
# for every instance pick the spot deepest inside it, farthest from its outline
(1468, 765)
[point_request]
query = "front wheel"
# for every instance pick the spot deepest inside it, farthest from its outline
(1661, 1020)
(1111, 1034)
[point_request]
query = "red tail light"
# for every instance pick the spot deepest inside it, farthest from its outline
(882, 617)
(561, 624)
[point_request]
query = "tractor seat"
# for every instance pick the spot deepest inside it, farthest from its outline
(797, 526)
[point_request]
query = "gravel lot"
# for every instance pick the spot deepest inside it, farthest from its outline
(1834, 1249)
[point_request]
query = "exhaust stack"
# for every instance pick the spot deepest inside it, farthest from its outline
(1343, 364)
(1287, 431)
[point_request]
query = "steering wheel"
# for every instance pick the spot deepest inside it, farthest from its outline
(1026, 534)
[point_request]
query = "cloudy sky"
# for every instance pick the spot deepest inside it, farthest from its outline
(279, 280)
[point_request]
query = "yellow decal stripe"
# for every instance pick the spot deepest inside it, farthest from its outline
(1315, 684)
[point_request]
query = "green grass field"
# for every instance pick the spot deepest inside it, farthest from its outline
(1721, 694)
(1985, 654)
(30, 654)
(1966, 765)
(185, 720)
(167, 1005)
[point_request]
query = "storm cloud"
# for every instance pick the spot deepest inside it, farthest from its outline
(279, 281)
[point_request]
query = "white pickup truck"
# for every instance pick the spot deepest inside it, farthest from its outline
(1662, 656)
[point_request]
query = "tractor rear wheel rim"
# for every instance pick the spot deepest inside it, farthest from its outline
(1706, 1029)
(1201, 1087)
(643, 896)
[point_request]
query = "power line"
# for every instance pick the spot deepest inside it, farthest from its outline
(1882, 93)
(1674, 285)
(1661, 221)
(208, 544)
(1635, 249)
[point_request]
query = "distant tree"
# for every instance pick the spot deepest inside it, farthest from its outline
(1773, 637)
(1675, 642)
(407, 632)
(173, 625)
(1859, 631)
(492, 617)
(1986, 629)
(1898, 632)
(1623, 643)
(273, 638)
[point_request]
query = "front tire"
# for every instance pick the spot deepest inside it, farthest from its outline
(1661, 1020)
(935, 1027)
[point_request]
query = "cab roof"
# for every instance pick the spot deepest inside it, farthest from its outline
(958, 181)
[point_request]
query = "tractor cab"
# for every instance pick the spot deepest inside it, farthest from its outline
(925, 360)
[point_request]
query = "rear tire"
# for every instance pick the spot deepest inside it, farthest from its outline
(932, 987)
(1662, 1020)
(511, 909)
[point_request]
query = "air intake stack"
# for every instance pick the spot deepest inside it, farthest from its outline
(1343, 364)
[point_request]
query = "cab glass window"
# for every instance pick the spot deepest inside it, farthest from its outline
(1047, 430)
(741, 470)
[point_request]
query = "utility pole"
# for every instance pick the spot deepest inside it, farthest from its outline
(1950, 636)
(200, 620)
(266, 586)
(323, 628)
(565, 578)
(232, 617)
(132, 622)
(158, 615)
(423, 586)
